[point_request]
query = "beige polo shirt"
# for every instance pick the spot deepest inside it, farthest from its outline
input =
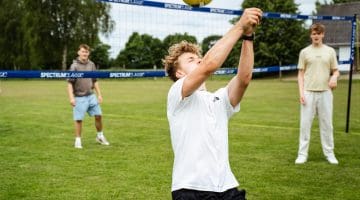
(318, 63)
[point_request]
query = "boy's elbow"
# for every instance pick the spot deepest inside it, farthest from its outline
(245, 79)
(245, 83)
(210, 66)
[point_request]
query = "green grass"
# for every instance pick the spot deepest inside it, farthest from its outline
(38, 160)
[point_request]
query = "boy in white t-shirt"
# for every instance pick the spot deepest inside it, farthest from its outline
(199, 119)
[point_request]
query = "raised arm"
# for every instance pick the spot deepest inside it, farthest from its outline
(216, 56)
(238, 84)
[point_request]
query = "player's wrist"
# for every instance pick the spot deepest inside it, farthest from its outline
(244, 27)
(249, 37)
(334, 78)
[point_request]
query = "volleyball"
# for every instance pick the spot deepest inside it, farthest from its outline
(197, 3)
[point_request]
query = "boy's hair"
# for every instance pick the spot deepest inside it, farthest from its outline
(84, 46)
(317, 27)
(170, 61)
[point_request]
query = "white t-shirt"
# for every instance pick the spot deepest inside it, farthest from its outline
(199, 137)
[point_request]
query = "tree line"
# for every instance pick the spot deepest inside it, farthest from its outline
(45, 34)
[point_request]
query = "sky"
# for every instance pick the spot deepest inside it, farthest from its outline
(162, 22)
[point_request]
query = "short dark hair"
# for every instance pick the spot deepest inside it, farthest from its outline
(317, 27)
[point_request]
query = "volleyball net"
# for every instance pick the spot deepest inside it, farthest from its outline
(129, 14)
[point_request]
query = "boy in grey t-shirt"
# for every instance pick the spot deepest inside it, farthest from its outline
(82, 97)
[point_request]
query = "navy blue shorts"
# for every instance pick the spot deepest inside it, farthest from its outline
(186, 194)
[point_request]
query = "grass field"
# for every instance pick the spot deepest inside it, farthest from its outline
(38, 160)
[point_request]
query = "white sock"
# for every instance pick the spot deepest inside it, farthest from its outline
(78, 139)
(100, 134)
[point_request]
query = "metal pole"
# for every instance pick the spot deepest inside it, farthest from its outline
(357, 58)
(353, 34)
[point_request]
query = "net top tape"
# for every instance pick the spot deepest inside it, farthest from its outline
(225, 11)
(127, 74)
(121, 74)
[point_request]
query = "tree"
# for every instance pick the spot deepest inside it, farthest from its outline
(54, 26)
(121, 60)
(176, 38)
(277, 41)
(141, 52)
(100, 55)
(12, 44)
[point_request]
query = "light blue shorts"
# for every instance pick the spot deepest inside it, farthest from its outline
(85, 104)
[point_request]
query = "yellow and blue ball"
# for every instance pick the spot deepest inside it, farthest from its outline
(197, 3)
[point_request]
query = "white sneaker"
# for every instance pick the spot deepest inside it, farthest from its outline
(300, 160)
(102, 140)
(78, 144)
(332, 160)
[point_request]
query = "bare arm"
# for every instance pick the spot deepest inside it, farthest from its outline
(301, 86)
(98, 92)
(70, 91)
(215, 57)
(238, 84)
(333, 79)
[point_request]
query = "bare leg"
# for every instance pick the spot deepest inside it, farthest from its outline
(98, 123)
(100, 137)
(78, 126)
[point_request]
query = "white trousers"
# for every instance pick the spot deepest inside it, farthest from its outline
(320, 103)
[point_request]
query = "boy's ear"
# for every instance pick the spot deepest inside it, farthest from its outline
(179, 74)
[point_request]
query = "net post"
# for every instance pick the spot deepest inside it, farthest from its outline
(353, 34)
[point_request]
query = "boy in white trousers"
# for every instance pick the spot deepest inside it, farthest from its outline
(317, 78)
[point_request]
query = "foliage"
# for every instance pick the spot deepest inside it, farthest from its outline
(176, 38)
(141, 52)
(277, 42)
(45, 34)
(12, 44)
(100, 55)
(55, 26)
(145, 52)
(40, 33)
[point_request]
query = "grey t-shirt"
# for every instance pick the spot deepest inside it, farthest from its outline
(82, 86)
